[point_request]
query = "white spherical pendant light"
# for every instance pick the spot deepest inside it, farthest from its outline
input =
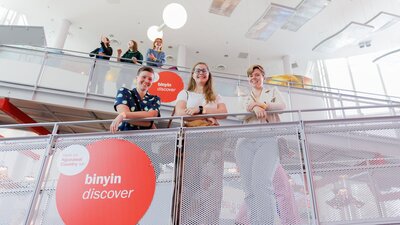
(174, 16)
(153, 33)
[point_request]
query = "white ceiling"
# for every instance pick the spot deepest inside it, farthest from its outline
(213, 36)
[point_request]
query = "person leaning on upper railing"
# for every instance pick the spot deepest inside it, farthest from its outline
(99, 77)
(105, 50)
(132, 55)
(200, 98)
(202, 191)
(136, 103)
(155, 56)
(257, 158)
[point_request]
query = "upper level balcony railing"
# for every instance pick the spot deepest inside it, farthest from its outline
(75, 74)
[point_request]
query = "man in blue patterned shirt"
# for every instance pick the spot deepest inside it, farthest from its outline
(136, 103)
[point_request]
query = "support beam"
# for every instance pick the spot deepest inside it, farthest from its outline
(8, 108)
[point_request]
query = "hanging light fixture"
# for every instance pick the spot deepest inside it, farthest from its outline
(350, 34)
(174, 16)
(356, 33)
(383, 20)
(306, 10)
(272, 19)
(154, 32)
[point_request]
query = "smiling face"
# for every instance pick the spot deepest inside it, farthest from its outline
(200, 74)
(144, 80)
(256, 78)
(157, 43)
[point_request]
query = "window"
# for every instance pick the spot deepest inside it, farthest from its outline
(11, 17)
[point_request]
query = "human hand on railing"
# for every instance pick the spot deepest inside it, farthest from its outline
(214, 122)
(119, 51)
(134, 60)
(152, 57)
(192, 111)
(101, 53)
(260, 112)
(116, 122)
(251, 106)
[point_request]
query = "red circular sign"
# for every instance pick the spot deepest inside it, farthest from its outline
(116, 187)
(167, 87)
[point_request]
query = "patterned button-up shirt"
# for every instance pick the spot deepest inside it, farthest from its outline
(127, 97)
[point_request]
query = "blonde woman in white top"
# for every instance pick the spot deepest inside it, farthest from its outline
(258, 158)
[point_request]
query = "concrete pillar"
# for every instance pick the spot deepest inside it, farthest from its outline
(181, 57)
(62, 34)
(287, 65)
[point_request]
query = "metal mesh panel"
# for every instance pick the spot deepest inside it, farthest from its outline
(251, 175)
(20, 164)
(355, 170)
(160, 146)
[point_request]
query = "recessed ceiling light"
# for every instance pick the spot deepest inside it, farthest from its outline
(170, 46)
(226, 55)
(243, 55)
(114, 41)
(141, 42)
(220, 67)
(111, 35)
(197, 52)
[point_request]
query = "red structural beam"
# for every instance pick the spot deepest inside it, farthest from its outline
(8, 108)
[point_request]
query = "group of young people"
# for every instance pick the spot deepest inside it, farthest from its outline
(155, 57)
(264, 180)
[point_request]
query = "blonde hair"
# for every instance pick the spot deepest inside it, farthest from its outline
(154, 42)
(251, 69)
(208, 89)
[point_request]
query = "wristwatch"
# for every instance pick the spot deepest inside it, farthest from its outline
(200, 109)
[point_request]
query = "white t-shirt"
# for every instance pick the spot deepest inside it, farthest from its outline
(196, 100)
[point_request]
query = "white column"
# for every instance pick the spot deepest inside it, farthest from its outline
(287, 65)
(62, 34)
(181, 57)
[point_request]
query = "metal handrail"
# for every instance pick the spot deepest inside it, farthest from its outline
(50, 124)
(218, 73)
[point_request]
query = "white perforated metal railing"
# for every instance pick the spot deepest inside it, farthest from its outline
(342, 171)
